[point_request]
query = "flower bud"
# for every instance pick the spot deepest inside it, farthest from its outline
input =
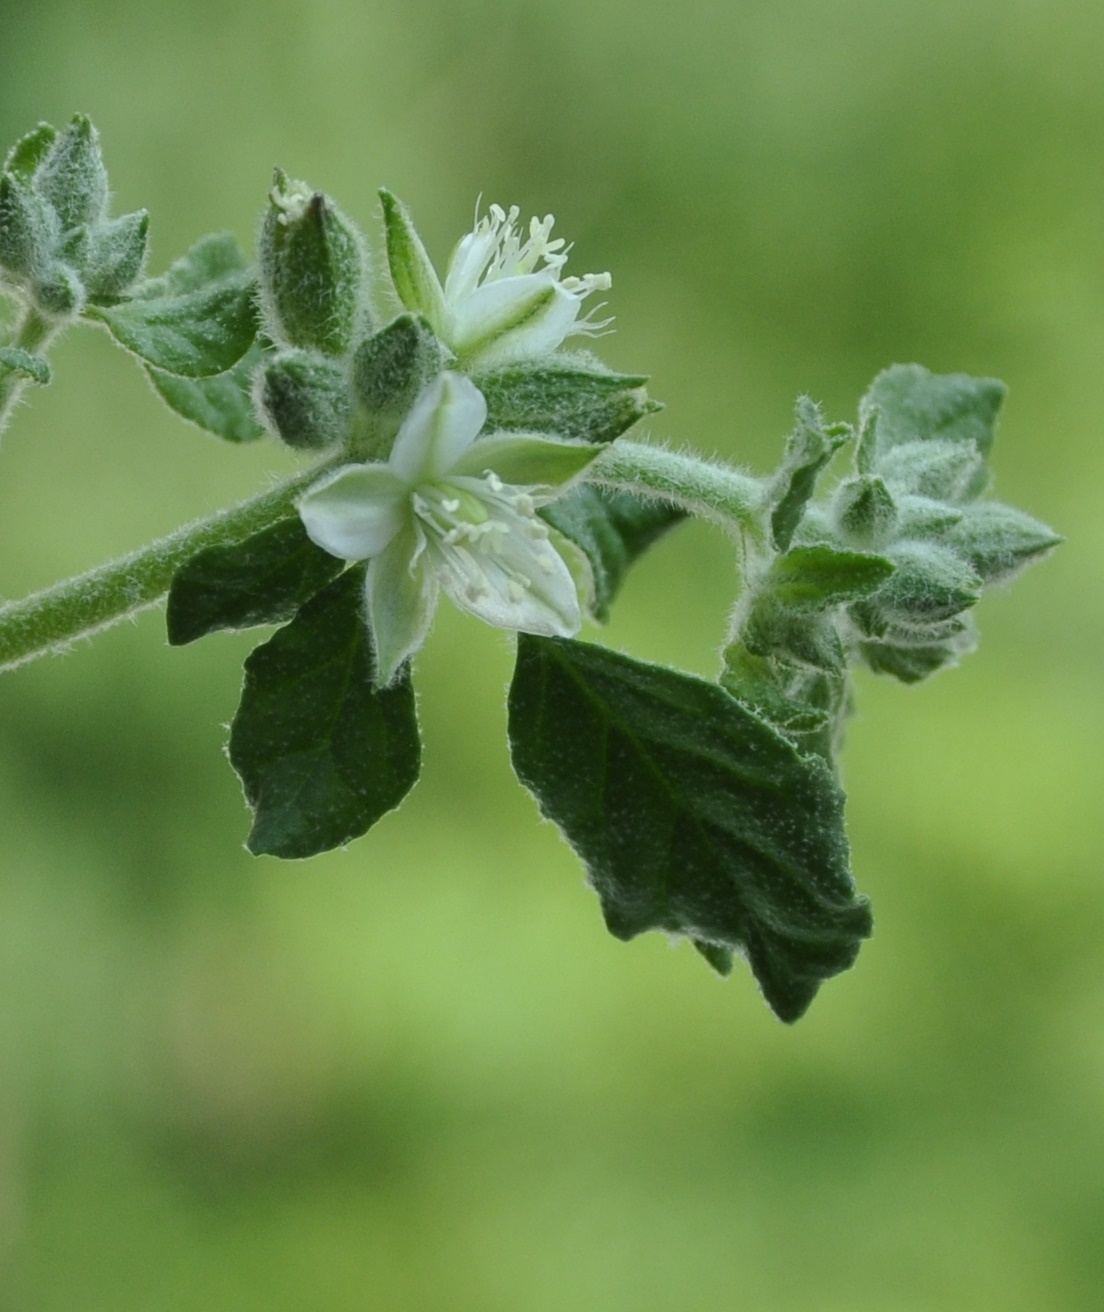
(60, 294)
(116, 254)
(28, 229)
(865, 511)
(313, 271)
(304, 399)
(72, 176)
(392, 367)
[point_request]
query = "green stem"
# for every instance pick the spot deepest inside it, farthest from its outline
(33, 333)
(734, 500)
(50, 620)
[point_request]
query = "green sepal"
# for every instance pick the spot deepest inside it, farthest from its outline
(912, 404)
(998, 541)
(912, 664)
(391, 367)
(313, 270)
(72, 177)
(613, 529)
(415, 279)
(263, 580)
(29, 151)
(809, 448)
(583, 403)
(194, 321)
(117, 251)
(691, 814)
(322, 754)
(222, 405)
(304, 399)
(34, 367)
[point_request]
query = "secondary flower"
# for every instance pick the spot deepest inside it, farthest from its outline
(504, 296)
(448, 511)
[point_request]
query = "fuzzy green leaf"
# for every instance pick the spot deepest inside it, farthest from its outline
(579, 402)
(691, 814)
(808, 450)
(912, 404)
(613, 529)
(817, 578)
(263, 580)
(222, 405)
(194, 321)
(321, 753)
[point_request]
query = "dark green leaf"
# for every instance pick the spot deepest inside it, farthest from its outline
(582, 403)
(222, 405)
(322, 755)
(613, 529)
(808, 450)
(263, 580)
(817, 578)
(212, 259)
(30, 366)
(691, 814)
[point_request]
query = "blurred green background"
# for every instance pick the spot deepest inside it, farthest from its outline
(418, 1074)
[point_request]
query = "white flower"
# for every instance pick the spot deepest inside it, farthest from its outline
(503, 298)
(447, 511)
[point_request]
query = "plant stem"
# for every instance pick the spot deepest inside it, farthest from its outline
(33, 333)
(50, 620)
(727, 497)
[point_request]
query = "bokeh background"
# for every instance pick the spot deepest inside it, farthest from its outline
(417, 1075)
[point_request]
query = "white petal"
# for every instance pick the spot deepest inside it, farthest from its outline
(441, 425)
(356, 511)
(402, 596)
(513, 317)
(519, 583)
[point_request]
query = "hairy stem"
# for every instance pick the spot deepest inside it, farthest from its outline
(727, 497)
(50, 620)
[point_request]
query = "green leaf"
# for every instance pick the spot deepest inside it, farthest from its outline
(322, 755)
(582, 403)
(691, 814)
(613, 529)
(912, 664)
(263, 580)
(192, 335)
(222, 405)
(29, 151)
(194, 321)
(30, 366)
(913, 404)
(808, 450)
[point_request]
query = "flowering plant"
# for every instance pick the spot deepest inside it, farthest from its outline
(458, 447)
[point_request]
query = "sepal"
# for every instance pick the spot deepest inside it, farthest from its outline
(116, 255)
(393, 366)
(412, 273)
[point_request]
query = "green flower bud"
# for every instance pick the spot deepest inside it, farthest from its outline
(930, 584)
(998, 541)
(60, 294)
(865, 512)
(942, 468)
(29, 151)
(28, 229)
(313, 270)
(72, 176)
(304, 399)
(117, 253)
(392, 367)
